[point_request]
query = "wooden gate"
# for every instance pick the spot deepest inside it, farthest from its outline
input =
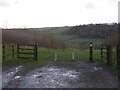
(27, 51)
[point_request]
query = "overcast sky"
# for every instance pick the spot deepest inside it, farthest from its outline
(50, 13)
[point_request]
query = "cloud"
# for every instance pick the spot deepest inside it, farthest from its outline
(46, 13)
(113, 1)
(90, 5)
(4, 3)
(119, 11)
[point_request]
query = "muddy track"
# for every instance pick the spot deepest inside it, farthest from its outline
(80, 75)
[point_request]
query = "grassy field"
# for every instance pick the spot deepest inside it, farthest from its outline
(57, 32)
(64, 56)
(51, 30)
(86, 40)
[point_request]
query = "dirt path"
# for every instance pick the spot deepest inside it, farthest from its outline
(80, 75)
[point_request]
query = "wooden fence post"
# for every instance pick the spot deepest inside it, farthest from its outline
(118, 60)
(36, 52)
(12, 50)
(91, 51)
(3, 47)
(101, 51)
(17, 50)
(109, 54)
(118, 57)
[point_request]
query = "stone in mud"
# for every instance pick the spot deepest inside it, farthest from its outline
(38, 76)
(39, 71)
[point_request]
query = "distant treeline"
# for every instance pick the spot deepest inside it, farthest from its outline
(24, 36)
(94, 30)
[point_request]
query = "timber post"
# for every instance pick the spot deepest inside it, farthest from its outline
(91, 52)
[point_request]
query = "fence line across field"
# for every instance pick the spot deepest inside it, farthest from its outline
(32, 51)
(56, 55)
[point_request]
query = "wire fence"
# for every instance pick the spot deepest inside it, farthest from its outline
(106, 54)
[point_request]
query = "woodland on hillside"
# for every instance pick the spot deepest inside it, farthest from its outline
(94, 30)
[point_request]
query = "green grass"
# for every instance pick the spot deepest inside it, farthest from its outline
(65, 37)
(57, 32)
(97, 41)
(45, 55)
(49, 54)
(76, 39)
(54, 30)
(64, 56)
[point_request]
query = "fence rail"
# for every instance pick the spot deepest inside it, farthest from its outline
(13, 49)
(33, 52)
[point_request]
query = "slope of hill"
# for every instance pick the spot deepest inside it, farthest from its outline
(93, 30)
(69, 39)
(30, 37)
(74, 36)
(82, 34)
(56, 32)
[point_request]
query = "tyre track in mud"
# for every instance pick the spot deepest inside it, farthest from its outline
(80, 75)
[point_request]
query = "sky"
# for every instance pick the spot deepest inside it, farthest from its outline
(55, 13)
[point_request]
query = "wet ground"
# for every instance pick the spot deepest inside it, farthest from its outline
(80, 75)
(9, 75)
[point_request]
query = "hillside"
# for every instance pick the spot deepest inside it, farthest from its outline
(93, 30)
(58, 32)
(77, 36)
(74, 36)
(25, 36)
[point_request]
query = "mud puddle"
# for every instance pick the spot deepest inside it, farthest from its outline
(9, 75)
(47, 77)
(81, 75)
